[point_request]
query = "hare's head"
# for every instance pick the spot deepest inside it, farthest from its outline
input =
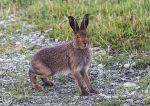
(80, 39)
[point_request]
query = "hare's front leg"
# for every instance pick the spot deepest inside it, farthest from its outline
(77, 78)
(86, 78)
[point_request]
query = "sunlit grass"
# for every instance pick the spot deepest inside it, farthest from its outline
(123, 24)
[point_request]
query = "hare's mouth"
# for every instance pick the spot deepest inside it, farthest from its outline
(83, 47)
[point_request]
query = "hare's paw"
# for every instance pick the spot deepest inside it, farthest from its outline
(38, 87)
(48, 83)
(85, 93)
(94, 90)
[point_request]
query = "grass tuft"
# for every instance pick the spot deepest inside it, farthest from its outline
(122, 24)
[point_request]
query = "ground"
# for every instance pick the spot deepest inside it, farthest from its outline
(122, 79)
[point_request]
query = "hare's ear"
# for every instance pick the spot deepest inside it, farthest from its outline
(84, 22)
(73, 23)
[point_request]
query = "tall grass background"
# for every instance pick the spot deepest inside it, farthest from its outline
(122, 24)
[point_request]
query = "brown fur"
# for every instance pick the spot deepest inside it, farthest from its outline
(74, 56)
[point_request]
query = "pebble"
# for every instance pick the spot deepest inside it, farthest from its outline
(105, 96)
(100, 66)
(46, 31)
(18, 43)
(42, 37)
(110, 58)
(146, 91)
(2, 22)
(56, 40)
(1, 60)
(133, 64)
(123, 79)
(33, 42)
(127, 65)
(129, 84)
(130, 102)
(95, 49)
(102, 52)
(1, 34)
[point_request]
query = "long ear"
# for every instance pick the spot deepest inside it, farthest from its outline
(84, 22)
(73, 23)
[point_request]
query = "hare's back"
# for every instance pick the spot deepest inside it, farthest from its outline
(53, 57)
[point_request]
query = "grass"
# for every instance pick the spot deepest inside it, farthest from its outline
(117, 61)
(123, 25)
(145, 89)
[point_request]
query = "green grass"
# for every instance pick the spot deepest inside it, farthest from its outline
(135, 59)
(113, 102)
(123, 24)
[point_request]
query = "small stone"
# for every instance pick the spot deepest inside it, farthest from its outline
(102, 52)
(133, 64)
(23, 57)
(42, 37)
(46, 31)
(138, 78)
(18, 43)
(127, 65)
(12, 20)
(110, 58)
(105, 96)
(133, 93)
(113, 84)
(12, 38)
(24, 46)
(1, 72)
(125, 104)
(1, 60)
(93, 72)
(129, 84)
(130, 102)
(123, 79)
(27, 61)
(1, 34)
(100, 66)
(95, 48)
(131, 71)
(56, 40)
(34, 42)
(148, 70)
(146, 91)
(2, 22)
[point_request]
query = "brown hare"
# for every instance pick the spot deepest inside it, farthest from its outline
(74, 56)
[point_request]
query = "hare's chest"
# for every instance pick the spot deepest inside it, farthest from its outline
(80, 59)
(84, 61)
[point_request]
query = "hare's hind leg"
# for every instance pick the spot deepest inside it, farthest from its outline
(44, 72)
(33, 79)
(47, 82)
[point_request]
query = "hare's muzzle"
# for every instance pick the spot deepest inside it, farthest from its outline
(85, 44)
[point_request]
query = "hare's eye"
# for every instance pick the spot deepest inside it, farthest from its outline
(78, 37)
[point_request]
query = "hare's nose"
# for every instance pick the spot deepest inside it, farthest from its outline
(84, 44)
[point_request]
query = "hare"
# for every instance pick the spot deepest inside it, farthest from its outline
(74, 56)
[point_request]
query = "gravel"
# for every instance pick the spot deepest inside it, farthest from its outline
(14, 75)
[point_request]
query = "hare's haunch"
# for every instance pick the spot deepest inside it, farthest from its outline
(74, 56)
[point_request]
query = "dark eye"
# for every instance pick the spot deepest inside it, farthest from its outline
(78, 36)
